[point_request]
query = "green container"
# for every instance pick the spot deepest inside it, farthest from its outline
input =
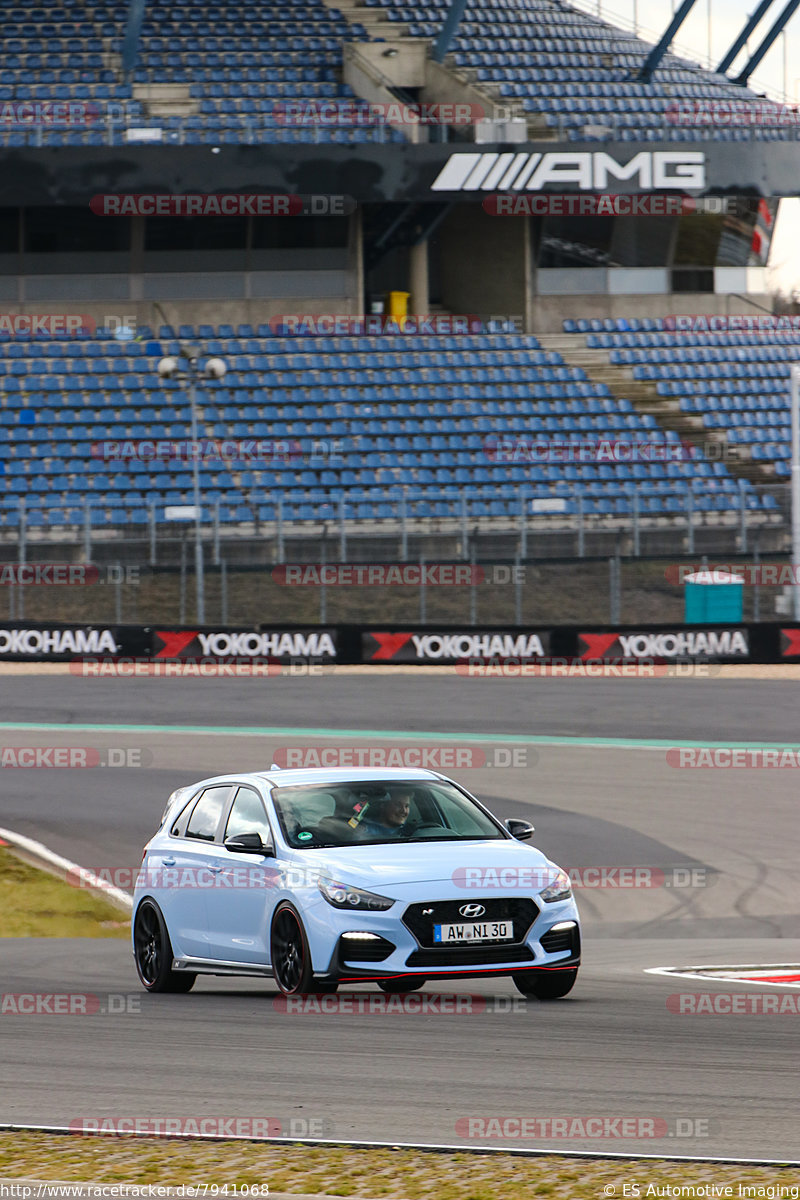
(713, 597)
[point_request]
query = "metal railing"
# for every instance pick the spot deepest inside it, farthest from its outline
(256, 129)
(403, 512)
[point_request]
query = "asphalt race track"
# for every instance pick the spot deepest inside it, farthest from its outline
(714, 1085)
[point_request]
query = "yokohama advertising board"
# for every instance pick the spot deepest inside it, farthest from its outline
(449, 646)
(693, 643)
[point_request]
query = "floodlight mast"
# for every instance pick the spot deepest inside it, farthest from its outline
(215, 368)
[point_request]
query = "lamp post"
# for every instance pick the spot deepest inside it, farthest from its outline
(795, 403)
(215, 368)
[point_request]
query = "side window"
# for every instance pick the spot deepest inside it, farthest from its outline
(206, 813)
(248, 816)
(178, 827)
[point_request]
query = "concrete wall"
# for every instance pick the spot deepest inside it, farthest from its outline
(544, 314)
(483, 262)
(548, 312)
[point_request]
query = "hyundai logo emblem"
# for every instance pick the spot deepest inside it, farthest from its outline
(472, 910)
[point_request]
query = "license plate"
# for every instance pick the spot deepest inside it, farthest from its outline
(483, 931)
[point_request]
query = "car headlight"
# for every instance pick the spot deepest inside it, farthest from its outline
(559, 889)
(344, 895)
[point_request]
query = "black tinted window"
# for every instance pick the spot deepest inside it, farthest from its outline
(207, 812)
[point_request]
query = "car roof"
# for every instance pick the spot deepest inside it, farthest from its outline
(310, 775)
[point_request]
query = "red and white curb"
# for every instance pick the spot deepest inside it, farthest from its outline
(761, 974)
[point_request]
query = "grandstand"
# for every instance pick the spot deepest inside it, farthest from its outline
(569, 71)
(736, 382)
(224, 78)
(364, 420)
(412, 418)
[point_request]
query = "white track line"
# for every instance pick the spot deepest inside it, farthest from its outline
(92, 881)
(446, 1148)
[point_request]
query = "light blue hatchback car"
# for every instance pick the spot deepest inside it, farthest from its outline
(322, 877)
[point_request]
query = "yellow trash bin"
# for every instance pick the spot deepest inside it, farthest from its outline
(398, 304)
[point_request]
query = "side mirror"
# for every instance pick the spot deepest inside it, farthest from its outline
(521, 830)
(249, 843)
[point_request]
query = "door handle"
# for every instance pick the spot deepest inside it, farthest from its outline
(168, 862)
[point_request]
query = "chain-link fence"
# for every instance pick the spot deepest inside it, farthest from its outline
(470, 558)
(615, 589)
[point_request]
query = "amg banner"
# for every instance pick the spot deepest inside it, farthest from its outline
(454, 645)
(377, 174)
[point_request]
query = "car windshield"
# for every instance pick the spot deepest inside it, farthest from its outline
(359, 813)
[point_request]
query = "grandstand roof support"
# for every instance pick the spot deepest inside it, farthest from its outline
(451, 23)
(657, 53)
(753, 20)
(772, 36)
(133, 32)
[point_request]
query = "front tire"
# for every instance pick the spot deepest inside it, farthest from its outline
(291, 958)
(153, 952)
(394, 987)
(549, 985)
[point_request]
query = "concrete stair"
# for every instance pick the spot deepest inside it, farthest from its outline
(646, 400)
(165, 99)
(379, 26)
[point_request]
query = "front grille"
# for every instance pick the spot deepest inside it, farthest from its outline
(470, 956)
(556, 940)
(371, 951)
(421, 918)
